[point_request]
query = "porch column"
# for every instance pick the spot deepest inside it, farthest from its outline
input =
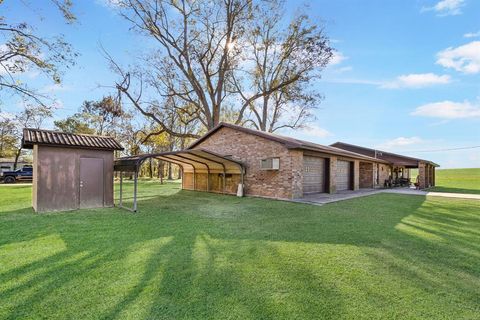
(427, 170)
(433, 176)
(421, 175)
(332, 186)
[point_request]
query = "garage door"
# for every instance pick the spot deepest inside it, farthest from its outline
(343, 175)
(313, 175)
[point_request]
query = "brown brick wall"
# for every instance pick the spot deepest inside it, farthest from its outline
(366, 175)
(332, 188)
(384, 173)
(356, 175)
(422, 175)
(285, 183)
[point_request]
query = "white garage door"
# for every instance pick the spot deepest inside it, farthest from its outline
(343, 175)
(313, 175)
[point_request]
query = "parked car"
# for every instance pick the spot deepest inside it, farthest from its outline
(24, 174)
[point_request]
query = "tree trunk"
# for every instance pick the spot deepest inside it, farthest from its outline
(160, 171)
(17, 156)
(170, 177)
(151, 168)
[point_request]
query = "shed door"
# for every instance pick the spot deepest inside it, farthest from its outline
(313, 175)
(343, 175)
(91, 182)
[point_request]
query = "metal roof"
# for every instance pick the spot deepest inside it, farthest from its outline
(394, 158)
(63, 139)
(197, 160)
(288, 142)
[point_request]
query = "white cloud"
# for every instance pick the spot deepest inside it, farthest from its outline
(465, 58)
(418, 80)
(400, 142)
(316, 131)
(337, 58)
(448, 110)
(446, 7)
(472, 34)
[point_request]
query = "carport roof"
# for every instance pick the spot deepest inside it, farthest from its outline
(63, 139)
(192, 159)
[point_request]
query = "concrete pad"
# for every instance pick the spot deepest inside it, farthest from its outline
(323, 198)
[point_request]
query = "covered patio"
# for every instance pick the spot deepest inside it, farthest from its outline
(398, 170)
(401, 174)
(202, 170)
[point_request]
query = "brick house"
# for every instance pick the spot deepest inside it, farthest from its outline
(274, 166)
(288, 168)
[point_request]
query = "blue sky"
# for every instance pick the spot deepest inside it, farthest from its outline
(406, 75)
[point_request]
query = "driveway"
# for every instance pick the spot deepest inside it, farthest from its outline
(323, 198)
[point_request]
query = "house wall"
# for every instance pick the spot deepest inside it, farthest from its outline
(384, 171)
(366, 175)
(285, 183)
(332, 170)
(426, 175)
(56, 173)
(356, 174)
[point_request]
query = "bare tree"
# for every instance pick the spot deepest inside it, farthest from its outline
(201, 70)
(23, 50)
(281, 63)
(194, 60)
(7, 135)
(29, 117)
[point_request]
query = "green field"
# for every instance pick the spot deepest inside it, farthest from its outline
(457, 180)
(191, 255)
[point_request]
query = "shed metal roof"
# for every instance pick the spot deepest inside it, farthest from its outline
(63, 139)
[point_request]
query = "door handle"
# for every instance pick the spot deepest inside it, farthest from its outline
(81, 184)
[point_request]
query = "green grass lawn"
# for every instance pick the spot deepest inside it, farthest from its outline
(457, 180)
(190, 255)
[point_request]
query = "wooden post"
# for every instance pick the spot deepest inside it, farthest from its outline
(121, 188)
(135, 191)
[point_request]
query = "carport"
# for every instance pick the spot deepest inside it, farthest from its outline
(200, 164)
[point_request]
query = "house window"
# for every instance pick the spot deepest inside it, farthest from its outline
(270, 164)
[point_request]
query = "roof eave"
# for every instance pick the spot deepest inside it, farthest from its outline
(353, 156)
